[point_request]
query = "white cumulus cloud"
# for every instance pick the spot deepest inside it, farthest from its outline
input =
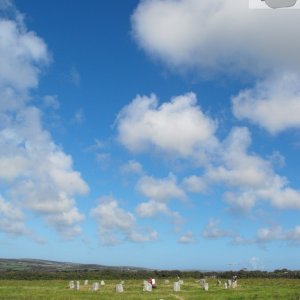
(273, 103)
(247, 177)
(35, 174)
(159, 192)
(160, 189)
(178, 127)
(115, 224)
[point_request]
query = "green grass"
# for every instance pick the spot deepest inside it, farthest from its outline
(57, 289)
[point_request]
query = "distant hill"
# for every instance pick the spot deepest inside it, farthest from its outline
(48, 266)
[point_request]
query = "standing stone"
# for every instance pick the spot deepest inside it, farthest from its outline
(180, 281)
(234, 282)
(219, 283)
(86, 282)
(119, 288)
(95, 286)
(71, 284)
(225, 286)
(229, 283)
(176, 286)
(147, 286)
(77, 285)
(202, 282)
(205, 286)
(102, 282)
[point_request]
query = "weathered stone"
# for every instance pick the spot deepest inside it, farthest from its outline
(147, 286)
(205, 286)
(202, 282)
(71, 284)
(119, 288)
(77, 285)
(229, 283)
(176, 286)
(86, 282)
(102, 282)
(95, 286)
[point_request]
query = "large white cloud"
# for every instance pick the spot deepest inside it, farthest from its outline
(178, 127)
(218, 35)
(273, 103)
(115, 224)
(36, 175)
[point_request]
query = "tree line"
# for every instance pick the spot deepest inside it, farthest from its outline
(118, 274)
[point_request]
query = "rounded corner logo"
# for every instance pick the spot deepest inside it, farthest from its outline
(273, 4)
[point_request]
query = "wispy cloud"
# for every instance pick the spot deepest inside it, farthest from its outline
(75, 77)
(132, 167)
(187, 238)
(79, 117)
(213, 231)
(268, 235)
(51, 101)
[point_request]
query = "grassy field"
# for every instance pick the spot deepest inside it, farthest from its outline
(57, 289)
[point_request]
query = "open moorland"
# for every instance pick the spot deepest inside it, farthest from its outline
(133, 289)
(27, 279)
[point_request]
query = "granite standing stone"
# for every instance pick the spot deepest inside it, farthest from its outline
(147, 286)
(176, 286)
(119, 288)
(71, 284)
(202, 282)
(205, 286)
(229, 283)
(95, 286)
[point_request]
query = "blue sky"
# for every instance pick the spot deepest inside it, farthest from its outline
(162, 133)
